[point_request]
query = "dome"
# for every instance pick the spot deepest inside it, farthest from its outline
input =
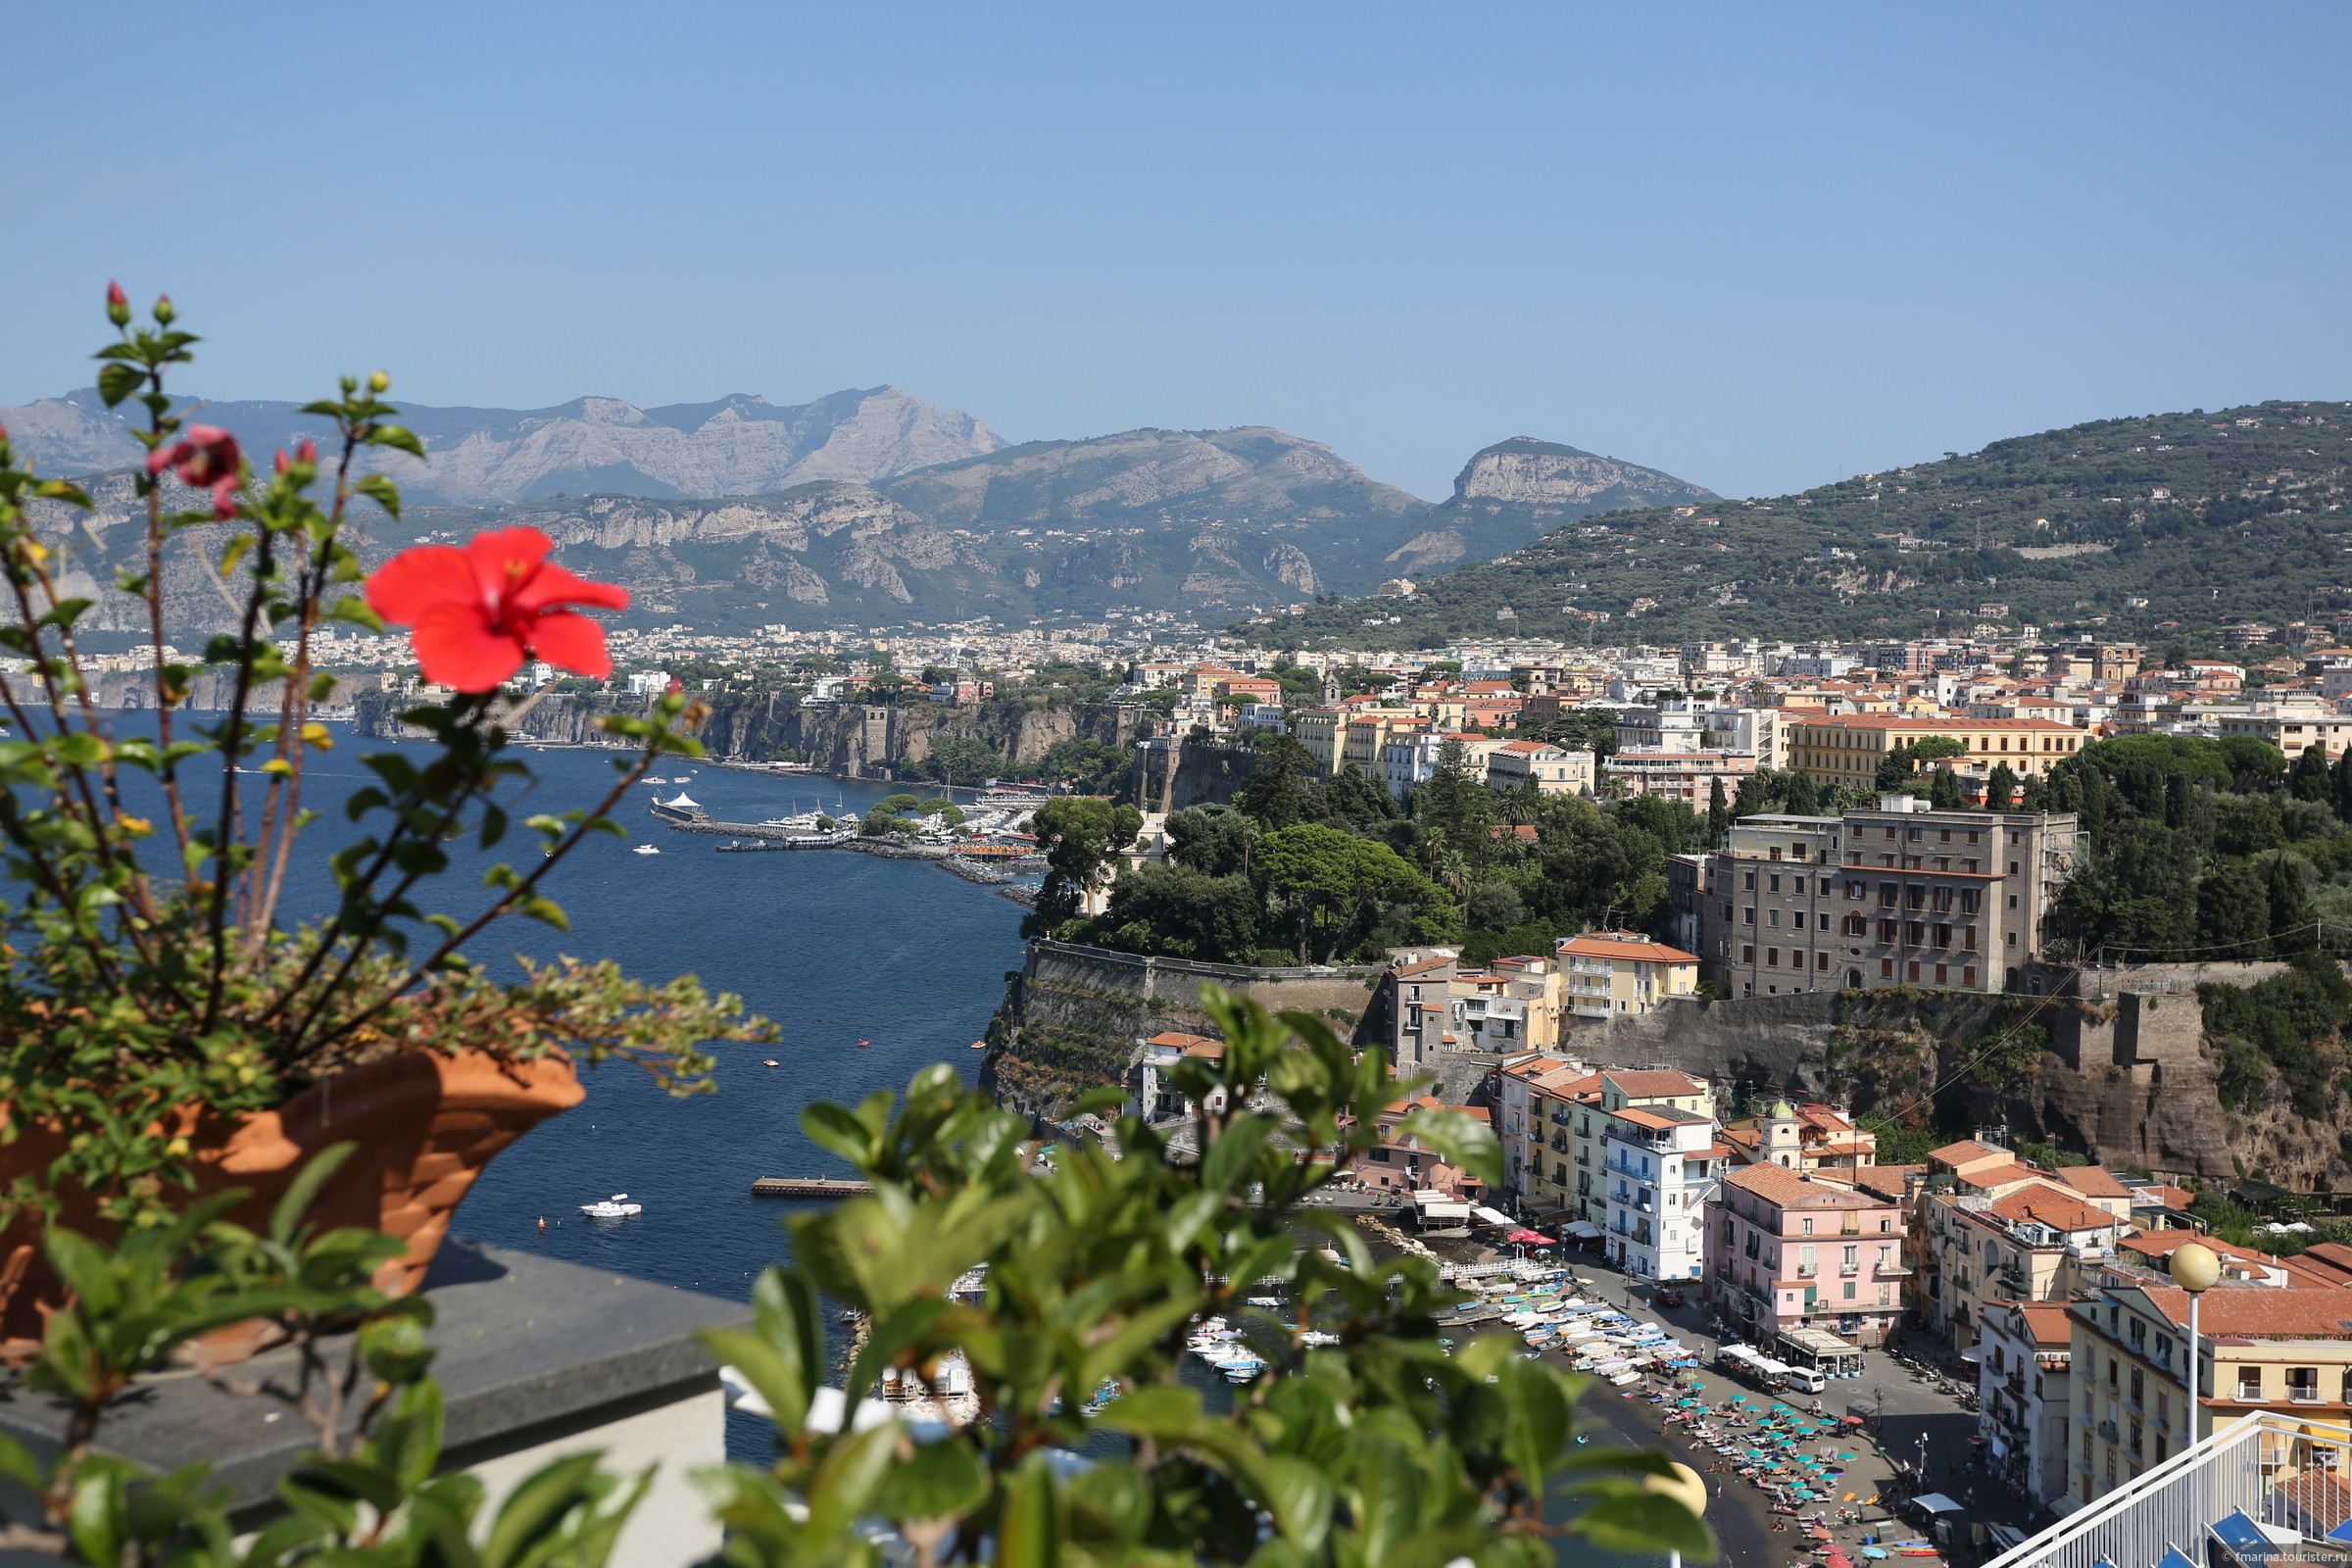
(1780, 1110)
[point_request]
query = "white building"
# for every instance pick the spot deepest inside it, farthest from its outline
(2024, 1405)
(1661, 1165)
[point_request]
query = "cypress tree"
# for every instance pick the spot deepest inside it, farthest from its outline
(2000, 788)
(1943, 792)
(1719, 812)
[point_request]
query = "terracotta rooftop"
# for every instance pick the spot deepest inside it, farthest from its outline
(2091, 1180)
(2042, 1207)
(1658, 1116)
(1647, 1084)
(1789, 1190)
(2227, 1312)
(1629, 946)
(1173, 1041)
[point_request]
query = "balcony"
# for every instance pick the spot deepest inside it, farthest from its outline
(1806, 1271)
(2107, 1431)
(1849, 1271)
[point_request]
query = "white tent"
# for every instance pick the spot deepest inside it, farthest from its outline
(685, 803)
(1494, 1216)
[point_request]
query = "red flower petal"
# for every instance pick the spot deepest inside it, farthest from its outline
(570, 642)
(504, 559)
(414, 582)
(458, 647)
(552, 585)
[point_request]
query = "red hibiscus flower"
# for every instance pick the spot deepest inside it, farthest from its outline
(476, 613)
(203, 458)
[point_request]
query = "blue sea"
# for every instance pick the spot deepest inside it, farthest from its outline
(872, 968)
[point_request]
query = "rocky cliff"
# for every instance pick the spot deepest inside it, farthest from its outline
(850, 739)
(738, 445)
(1518, 489)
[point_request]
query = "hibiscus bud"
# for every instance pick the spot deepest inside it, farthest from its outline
(2, 432)
(225, 505)
(307, 452)
(279, 466)
(164, 309)
(118, 304)
(378, 382)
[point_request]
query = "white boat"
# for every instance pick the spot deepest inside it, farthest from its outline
(617, 1207)
(645, 849)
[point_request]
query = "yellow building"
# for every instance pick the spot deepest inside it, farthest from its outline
(1847, 748)
(1624, 972)
(2261, 1348)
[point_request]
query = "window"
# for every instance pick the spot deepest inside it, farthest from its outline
(1772, 917)
(2303, 1385)
(1749, 880)
(2249, 1385)
(1885, 968)
(1748, 955)
(1885, 1225)
(1889, 897)
(1858, 890)
(1886, 929)
(1808, 1229)
(1771, 958)
(1800, 884)
(1774, 880)
(1748, 916)
(1820, 960)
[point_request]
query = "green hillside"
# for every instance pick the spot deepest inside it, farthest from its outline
(2206, 517)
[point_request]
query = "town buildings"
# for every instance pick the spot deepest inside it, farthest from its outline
(1624, 972)
(1783, 1250)
(2024, 1399)
(1661, 1164)
(1895, 894)
(1847, 748)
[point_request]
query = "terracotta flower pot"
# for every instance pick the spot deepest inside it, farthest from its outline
(426, 1125)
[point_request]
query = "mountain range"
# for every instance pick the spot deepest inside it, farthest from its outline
(872, 509)
(2162, 526)
(485, 457)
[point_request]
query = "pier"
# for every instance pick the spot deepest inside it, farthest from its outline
(808, 1186)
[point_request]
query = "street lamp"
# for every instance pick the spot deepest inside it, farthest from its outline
(2195, 1269)
(1685, 1486)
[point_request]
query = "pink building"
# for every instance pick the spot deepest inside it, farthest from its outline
(1787, 1251)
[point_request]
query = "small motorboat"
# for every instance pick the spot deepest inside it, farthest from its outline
(617, 1207)
(645, 849)
(771, 1062)
(979, 1045)
(862, 1043)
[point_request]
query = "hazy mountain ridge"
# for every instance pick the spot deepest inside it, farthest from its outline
(2157, 526)
(486, 457)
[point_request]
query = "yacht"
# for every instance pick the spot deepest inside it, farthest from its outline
(617, 1207)
(645, 849)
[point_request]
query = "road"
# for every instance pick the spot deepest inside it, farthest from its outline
(1902, 1410)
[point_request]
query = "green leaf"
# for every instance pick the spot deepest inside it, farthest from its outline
(944, 1480)
(1632, 1520)
(382, 491)
(397, 437)
(535, 1509)
(1230, 1155)
(287, 1216)
(832, 1127)
(115, 382)
(1029, 1531)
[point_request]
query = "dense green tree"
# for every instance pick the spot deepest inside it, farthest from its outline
(1453, 801)
(2309, 779)
(1279, 785)
(1719, 813)
(2234, 912)
(1351, 799)
(946, 810)
(1087, 766)
(2000, 788)
(1081, 835)
(2340, 785)
(1210, 839)
(1328, 881)
(1802, 796)
(2287, 890)
(1944, 790)
(960, 759)
(1182, 912)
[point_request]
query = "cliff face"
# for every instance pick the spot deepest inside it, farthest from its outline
(848, 739)
(1518, 489)
(738, 445)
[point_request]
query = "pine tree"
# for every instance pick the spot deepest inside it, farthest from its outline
(2308, 779)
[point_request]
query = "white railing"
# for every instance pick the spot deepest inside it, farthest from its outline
(2239, 1468)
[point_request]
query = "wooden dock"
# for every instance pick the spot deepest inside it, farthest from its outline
(808, 1186)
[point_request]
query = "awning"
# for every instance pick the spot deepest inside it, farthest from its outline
(1936, 1503)
(1492, 1216)
(1582, 1229)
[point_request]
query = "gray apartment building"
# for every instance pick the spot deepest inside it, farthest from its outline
(1898, 894)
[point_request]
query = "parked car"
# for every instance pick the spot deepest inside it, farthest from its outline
(1667, 1296)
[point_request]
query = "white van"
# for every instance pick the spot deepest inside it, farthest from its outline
(1803, 1379)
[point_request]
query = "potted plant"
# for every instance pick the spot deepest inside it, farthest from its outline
(164, 1032)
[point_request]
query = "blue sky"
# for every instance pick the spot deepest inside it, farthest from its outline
(1758, 246)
